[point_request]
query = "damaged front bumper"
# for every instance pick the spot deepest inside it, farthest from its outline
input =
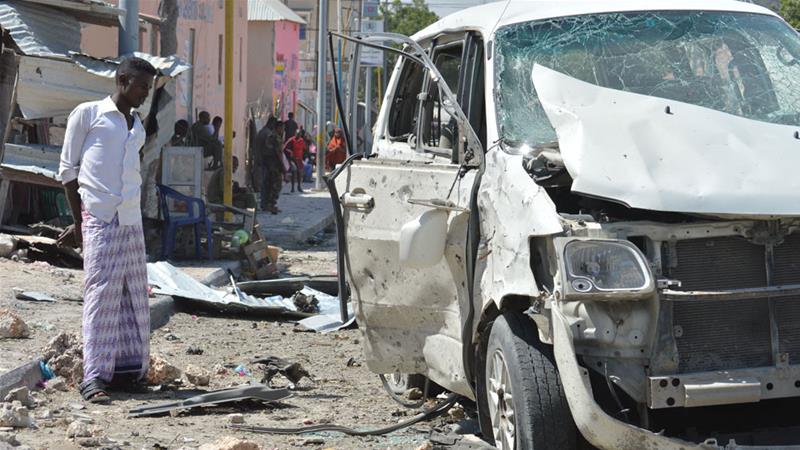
(599, 428)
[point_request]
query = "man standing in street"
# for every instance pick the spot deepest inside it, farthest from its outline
(270, 142)
(100, 171)
(290, 127)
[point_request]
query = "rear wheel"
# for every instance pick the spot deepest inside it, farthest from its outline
(522, 402)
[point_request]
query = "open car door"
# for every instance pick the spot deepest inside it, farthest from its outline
(405, 210)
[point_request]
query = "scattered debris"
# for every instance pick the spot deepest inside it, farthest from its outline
(254, 392)
(14, 415)
(161, 371)
(30, 375)
(57, 384)
(31, 296)
(12, 326)
(168, 280)
(273, 365)
(312, 441)
(22, 395)
(231, 443)
(8, 245)
(194, 351)
(242, 371)
(305, 303)
(172, 337)
(414, 394)
(353, 362)
(197, 376)
(9, 439)
(457, 412)
(64, 354)
(427, 445)
(45, 250)
(263, 259)
(82, 429)
(235, 418)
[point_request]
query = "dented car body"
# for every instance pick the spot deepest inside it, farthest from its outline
(583, 215)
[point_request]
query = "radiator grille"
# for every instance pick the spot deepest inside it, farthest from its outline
(718, 264)
(722, 335)
(787, 261)
(787, 315)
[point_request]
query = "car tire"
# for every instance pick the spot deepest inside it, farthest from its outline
(521, 400)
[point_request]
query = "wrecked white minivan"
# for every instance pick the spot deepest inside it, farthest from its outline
(585, 216)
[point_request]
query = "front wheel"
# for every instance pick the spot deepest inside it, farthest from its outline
(523, 403)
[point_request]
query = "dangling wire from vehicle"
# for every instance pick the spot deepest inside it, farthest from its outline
(399, 399)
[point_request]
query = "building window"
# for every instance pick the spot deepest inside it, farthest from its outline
(219, 63)
(302, 32)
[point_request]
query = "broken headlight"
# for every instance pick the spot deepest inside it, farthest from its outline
(605, 267)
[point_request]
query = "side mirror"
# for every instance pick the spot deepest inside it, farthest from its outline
(423, 239)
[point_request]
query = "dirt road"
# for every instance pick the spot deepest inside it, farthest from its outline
(341, 393)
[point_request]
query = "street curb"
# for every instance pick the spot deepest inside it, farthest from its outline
(219, 277)
(161, 309)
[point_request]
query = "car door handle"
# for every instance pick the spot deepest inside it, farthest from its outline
(358, 200)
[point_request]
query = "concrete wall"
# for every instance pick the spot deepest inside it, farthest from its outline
(260, 65)
(286, 71)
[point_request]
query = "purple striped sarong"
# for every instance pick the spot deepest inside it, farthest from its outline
(116, 314)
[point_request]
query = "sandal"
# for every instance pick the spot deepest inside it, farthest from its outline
(94, 391)
(129, 383)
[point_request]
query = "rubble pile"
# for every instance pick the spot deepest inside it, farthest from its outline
(197, 376)
(161, 371)
(64, 354)
(8, 244)
(12, 326)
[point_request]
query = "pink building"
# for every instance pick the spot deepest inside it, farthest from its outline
(273, 57)
(201, 42)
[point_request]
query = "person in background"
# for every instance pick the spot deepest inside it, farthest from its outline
(100, 171)
(181, 136)
(272, 161)
(337, 150)
(216, 125)
(202, 137)
(297, 148)
(290, 127)
(242, 198)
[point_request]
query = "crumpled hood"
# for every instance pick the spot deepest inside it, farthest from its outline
(664, 155)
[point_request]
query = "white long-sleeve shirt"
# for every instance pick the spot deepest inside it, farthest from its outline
(103, 155)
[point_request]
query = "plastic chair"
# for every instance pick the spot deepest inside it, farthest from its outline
(171, 224)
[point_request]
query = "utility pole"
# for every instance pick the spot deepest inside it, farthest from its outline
(129, 27)
(321, 66)
(227, 159)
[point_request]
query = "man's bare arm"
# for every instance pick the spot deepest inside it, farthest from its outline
(72, 236)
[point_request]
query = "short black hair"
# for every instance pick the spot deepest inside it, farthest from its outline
(132, 65)
(291, 115)
(279, 123)
(217, 119)
(204, 113)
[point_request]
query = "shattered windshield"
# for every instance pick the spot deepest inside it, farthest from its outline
(738, 63)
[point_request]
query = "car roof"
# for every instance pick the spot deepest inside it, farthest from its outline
(487, 18)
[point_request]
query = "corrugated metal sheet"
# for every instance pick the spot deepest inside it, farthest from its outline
(52, 88)
(38, 159)
(170, 66)
(271, 10)
(40, 30)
